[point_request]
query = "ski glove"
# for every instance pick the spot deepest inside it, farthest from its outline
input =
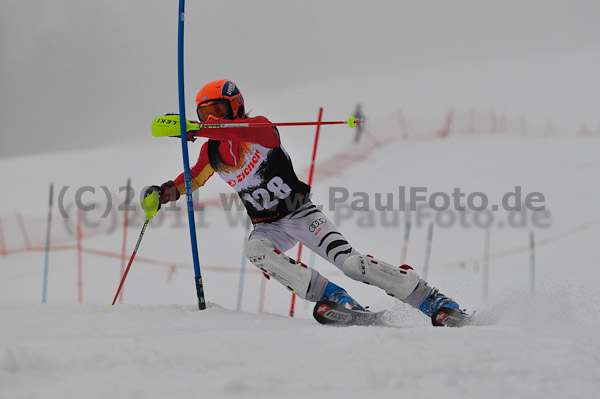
(190, 135)
(167, 192)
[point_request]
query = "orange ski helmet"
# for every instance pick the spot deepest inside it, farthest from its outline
(220, 99)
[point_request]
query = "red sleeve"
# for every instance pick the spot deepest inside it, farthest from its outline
(201, 172)
(265, 136)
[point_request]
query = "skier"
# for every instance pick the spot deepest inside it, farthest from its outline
(255, 164)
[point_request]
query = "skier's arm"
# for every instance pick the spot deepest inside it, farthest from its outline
(172, 190)
(265, 136)
(200, 173)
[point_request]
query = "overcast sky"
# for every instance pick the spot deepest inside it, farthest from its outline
(78, 73)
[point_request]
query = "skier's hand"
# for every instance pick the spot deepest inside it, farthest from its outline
(169, 192)
(190, 135)
(166, 192)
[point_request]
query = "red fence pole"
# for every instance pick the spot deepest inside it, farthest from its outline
(447, 124)
(23, 231)
(403, 125)
(2, 242)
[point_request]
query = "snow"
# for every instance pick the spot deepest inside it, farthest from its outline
(98, 351)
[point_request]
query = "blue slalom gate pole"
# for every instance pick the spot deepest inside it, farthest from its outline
(47, 255)
(186, 162)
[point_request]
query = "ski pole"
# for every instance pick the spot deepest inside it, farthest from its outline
(168, 125)
(150, 206)
(352, 122)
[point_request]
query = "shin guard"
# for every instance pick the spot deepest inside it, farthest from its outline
(294, 275)
(398, 282)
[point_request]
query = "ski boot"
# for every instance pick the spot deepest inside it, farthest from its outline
(443, 311)
(336, 307)
(339, 295)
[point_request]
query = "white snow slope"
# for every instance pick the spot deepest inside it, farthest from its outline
(156, 344)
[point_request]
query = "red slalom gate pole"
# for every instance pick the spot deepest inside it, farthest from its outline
(310, 177)
(314, 154)
(293, 303)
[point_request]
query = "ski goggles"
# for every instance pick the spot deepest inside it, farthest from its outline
(214, 110)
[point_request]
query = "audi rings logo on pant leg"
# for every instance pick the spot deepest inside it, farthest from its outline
(314, 225)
